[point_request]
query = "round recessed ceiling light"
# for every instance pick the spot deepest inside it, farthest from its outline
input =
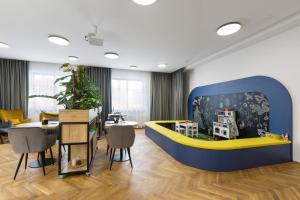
(58, 40)
(144, 2)
(162, 65)
(4, 45)
(111, 55)
(73, 58)
(229, 28)
(133, 67)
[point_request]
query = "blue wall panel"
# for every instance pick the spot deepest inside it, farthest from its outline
(279, 99)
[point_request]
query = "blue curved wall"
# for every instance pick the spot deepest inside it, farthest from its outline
(279, 99)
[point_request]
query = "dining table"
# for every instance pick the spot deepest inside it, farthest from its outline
(121, 157)
(52, 125)
(121, 123)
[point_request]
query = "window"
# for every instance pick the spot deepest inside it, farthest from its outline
(131, 95)
(41, 82)
(128, 95)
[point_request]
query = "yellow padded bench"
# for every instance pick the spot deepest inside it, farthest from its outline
(223, 155)
(270, 139)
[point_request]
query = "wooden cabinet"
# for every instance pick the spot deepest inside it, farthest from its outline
(77, 141)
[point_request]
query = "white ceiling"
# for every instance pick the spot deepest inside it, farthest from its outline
(177, 32)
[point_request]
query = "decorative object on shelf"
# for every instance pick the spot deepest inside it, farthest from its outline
(76, 162)
(77, 165)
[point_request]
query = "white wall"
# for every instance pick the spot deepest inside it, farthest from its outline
(277, 57)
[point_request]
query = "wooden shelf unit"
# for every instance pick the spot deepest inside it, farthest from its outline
(78, 140)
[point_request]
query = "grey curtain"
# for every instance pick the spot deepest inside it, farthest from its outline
(177, 95)
(167, 95)
(101, 77)
(161, 96)
(14, 84)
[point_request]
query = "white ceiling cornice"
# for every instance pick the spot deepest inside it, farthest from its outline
(268, 32)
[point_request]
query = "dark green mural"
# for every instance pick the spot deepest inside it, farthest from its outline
(252, 111)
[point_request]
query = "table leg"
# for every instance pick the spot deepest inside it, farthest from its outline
(1, 139)
(121, 154)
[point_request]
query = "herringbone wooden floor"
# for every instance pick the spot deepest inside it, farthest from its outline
(156, 175)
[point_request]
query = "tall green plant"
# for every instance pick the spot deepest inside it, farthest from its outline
(79, 92)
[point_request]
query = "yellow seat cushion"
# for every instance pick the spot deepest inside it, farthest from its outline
(47, 115)
(15, 121)
(15, 116)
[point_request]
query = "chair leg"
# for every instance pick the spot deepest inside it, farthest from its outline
(107, 149)
(64, 147)
(43, 161)
(38, 159)
(112, 160)
(121, 154)
(51, 156)
(19, 164)
(26, 159)
(110, 154)
(128, 149)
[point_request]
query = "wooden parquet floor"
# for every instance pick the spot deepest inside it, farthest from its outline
(156, 175)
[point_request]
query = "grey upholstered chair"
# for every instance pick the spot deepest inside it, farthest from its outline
(30, 140)
(120, 137)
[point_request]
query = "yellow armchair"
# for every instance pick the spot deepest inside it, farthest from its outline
(48, 115)
(15, 116)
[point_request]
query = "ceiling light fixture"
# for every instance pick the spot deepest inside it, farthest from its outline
(58, 40)
(133, 67)
(229, 28)
(162, 65)
(73, 58)
(144, 2)
(4, 45)
(111, 55)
